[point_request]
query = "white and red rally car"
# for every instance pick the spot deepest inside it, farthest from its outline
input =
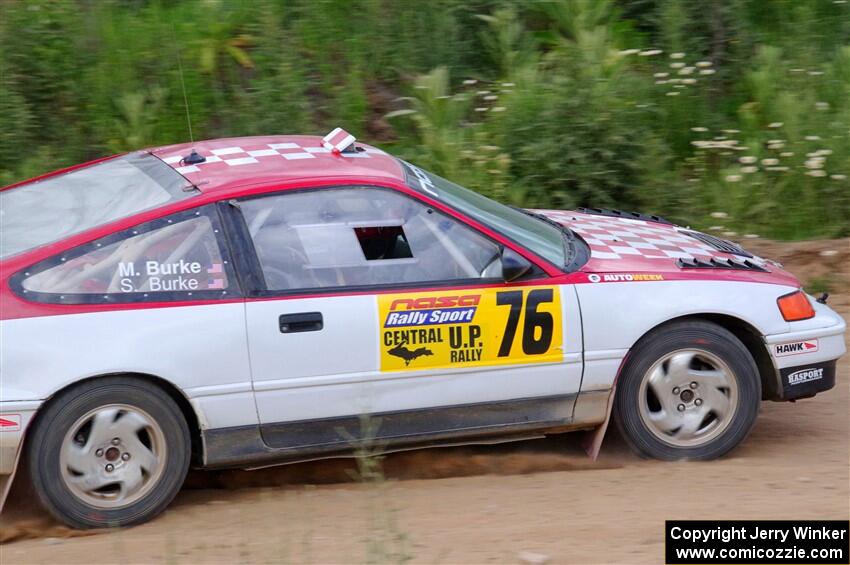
(243, 302)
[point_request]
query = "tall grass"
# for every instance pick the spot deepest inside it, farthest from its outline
(733, 108)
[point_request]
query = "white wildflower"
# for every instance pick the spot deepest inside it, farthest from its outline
(629, 51)
(686, 70)
(719, 215)
(661, 75)
(733, 178)
(749, 169)
(689, 81)
(677, 55)
(703, 64)
(499, 109)
(787, 154)
(777, 169)
(747, 159)
(816, 173)
(729, 233)
(699, 128)
(715, 228)
(470, 82)
(508, 84)
(824, 151)
(483, 92)
(822, 106)
(812, 138)
(707, 71)
(676, 65)
(674, 93)
(751, 236)
(660, 82)
(815, 73)
(775, 125)
(838, 177)
(650, 52)
(491, 97)
(770, 162)
(481, 109)
(814, 163)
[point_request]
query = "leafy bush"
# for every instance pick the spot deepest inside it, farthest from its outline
(730, 115)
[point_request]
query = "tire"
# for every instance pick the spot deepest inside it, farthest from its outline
(109, 452)
(689, 390)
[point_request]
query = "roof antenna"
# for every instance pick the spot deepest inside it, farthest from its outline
(192, 158)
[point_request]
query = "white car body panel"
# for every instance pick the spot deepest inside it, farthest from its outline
(336, 371)
(196, 348)
(617, 315)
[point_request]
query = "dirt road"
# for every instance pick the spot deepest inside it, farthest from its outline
(525, 502)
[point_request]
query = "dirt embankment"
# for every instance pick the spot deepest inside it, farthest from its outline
(503, 503)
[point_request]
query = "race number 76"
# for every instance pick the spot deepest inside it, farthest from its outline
(537, 326)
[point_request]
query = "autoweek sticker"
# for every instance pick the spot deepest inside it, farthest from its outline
(470, 328)
(795, 347)
(625, 277)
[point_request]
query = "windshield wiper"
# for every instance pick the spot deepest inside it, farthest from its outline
(567, 234)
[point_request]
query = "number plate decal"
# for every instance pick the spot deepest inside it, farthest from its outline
(470, 328)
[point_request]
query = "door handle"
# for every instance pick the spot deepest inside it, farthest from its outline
(301, 322)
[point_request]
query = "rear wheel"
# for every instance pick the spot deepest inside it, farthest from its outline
(109, 452)
(690, 390)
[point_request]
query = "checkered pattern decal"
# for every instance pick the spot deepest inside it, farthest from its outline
(238, 156)
(621, 238)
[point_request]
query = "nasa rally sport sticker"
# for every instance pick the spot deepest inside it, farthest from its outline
(470, 328)
(795, 347)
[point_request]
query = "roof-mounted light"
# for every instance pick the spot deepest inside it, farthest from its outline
(338, 140)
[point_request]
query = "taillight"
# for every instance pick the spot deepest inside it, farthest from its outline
(795, 306)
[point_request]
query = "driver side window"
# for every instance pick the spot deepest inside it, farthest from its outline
(362, 236)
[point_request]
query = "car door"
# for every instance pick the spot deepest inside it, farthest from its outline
(368, 301)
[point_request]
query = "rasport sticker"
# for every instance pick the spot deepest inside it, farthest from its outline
(470, 328)
(805, 375)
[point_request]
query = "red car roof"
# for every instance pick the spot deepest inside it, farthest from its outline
(245, 161)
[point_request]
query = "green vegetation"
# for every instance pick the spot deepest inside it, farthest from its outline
(729, 114)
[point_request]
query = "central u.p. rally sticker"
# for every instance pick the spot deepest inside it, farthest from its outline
(469, 328)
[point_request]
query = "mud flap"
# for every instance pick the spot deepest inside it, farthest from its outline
(592, 441)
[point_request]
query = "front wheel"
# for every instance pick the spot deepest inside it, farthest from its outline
(110, 452)
(690, 390)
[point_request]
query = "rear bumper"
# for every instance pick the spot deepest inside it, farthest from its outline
(15, 417)
(805, 360)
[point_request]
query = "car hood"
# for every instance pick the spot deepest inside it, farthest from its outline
(633, 243)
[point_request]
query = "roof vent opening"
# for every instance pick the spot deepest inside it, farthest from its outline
(718, 243)
(622, 214)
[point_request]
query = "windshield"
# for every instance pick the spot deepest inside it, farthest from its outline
(539, 236)
(45, 211)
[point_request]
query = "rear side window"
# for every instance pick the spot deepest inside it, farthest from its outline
(176, 258)
(42, 212)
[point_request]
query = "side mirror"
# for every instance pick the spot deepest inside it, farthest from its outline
(514, 265)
